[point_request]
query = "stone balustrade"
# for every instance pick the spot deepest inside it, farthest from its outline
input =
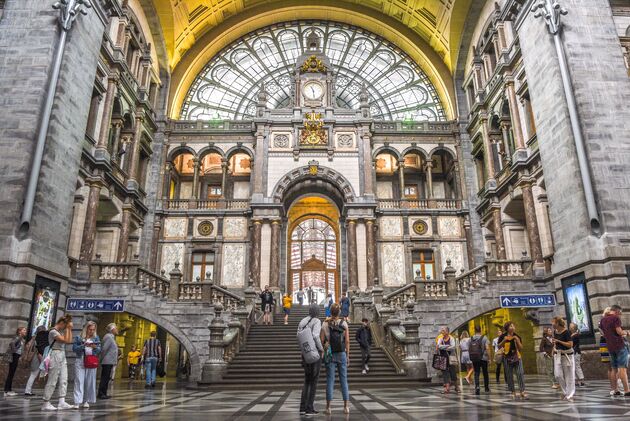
(395, 204)
(434, 289)
(130, 272)
(194, 204)
(398, 298)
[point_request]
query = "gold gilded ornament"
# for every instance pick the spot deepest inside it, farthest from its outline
(313, 65)
(205, 228)
(420, 227)
(313, 133)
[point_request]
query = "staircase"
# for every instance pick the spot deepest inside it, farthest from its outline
(271, 359)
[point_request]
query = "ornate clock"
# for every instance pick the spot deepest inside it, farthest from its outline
(313, 90)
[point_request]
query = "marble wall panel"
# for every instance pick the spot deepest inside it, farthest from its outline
(234, 228)
(171, 253)
(390, 226)
(449, 227)
(452, 251)
(233, 271)
(175, 227)
(393, 264)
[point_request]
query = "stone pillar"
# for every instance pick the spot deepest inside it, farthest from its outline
(215, 366)
(372, 263)
(469, 242)
(132, 180)
(415, 366)
(195, 185)
(368, 177)
(123, 242)
(487, 146)
(254, 256)
(531, 222)
(89, 228)
(116, 128)
(401, 178)
(429, 168)
(259, 163)
(176, 278)
(353, 275)
(498, 233)
(458, 182)
(103, 136)
(166, 190)
(449, 276)
(157, 226)
(505, 134)
(224, 170)
(123, 160)
(274, 265)
(515, 115)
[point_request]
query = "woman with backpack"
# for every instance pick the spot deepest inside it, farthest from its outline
(86, 346)
(512, 345)
(336, 339)
(464, 346)
(39, 342)
(16, 347)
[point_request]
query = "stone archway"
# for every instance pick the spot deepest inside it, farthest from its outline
(317, 177)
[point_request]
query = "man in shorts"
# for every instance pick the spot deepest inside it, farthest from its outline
(611, 328)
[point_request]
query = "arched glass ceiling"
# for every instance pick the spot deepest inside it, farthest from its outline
(227, 87)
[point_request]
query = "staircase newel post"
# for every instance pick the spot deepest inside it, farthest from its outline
(95, 268)
(414, 366)
(215, 366)
(449, 277)
(377, 292)
(242, 314)
(175, 276)
(418, 282)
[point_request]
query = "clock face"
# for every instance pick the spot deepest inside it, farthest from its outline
(313, 90)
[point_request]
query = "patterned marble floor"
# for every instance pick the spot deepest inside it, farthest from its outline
(172, 402)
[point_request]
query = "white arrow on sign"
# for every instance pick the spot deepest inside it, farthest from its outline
(506, 301)
(117, 305)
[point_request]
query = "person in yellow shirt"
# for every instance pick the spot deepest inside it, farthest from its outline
(133, 361)
(286, 307)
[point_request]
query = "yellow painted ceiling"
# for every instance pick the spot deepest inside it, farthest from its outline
(438, 23)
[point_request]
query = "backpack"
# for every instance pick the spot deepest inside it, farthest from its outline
(475, 349)
(337, 337)
(307, 344)
(29, 353)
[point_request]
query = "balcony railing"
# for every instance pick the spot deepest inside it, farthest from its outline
(220, 204)
(387, 204)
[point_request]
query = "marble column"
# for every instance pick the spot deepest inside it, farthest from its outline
(135, 155)
(457, 182)
(259, 163)
(274, 264)
(372, 264)
(469, 242)
(103, 136)
(367, 164)
(195, 186)
(353, 273)
(254, 256)
(401, 178)
(89, 227)
(123, 241)
(487, 146)
(157, 226)
(531, 223)
(515, 115)
(116, 128)
(498, 233)
(224, 170)
(429, 172)
(166, 190)
(505, 134)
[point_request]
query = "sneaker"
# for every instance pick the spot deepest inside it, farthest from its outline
(48, 407)
(6, 394)
(477, 392)
(86, 405)
(626, 394)
(75, 406)
(63, 405)
(28, 394)
(555, 386)
(310, 414)
(367, 368)
(302, 412)
(612, 393)
(364, 372)
(616, 393)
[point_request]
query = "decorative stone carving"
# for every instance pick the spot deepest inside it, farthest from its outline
(175, 227)
(205, 228)
(454, 253)
(393, 261)
(449, 227)
(420, 227)
(233, 273)
(345, 140)
(415, 222)
(391, 226)
(281, 141)
(172, 253)
(234, 228)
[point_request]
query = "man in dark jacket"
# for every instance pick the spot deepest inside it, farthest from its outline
(266, 302)
(364, 338)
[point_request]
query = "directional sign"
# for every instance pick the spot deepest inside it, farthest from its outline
(99, 306)
(527, 300)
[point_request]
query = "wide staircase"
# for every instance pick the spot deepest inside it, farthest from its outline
(271, 359)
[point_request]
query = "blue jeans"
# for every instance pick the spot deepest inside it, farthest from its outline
(619, 359)
(150, 366)
(337, 363)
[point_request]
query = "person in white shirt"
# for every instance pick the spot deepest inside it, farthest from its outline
(497, 351)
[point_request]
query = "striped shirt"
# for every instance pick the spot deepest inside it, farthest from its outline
(151, 345)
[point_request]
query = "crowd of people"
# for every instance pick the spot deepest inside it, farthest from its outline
(44, 355)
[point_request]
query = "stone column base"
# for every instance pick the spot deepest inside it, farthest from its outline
(415, 369)
(213, 372)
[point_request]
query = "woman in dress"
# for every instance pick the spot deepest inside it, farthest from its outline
(512, 345)
(328, 304)
(86, 346)
(464, 346)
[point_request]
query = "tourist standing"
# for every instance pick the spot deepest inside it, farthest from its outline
(87, 347)
(335, 335)
(498, 354)
(58, 337)
(512, 345)
(464, 346)
(345, 307)
(152, 355)
(611, 327)
(311, 371)
(266, 303)
(364, 338)
(479, 352)
(446, 347)
(605, 358)
(328, 305)
(133, 362)
(577, 354)
(546, 349)
(109, 358)
(41, 342)
(300, 297)
(15, 349)
(286, 307)
(563, 362)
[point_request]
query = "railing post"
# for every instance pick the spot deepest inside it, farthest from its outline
(377, 292)
(418, 282)
(95, 268)
(215, 366)
(415, 367)
(449, 277)
(175, 276)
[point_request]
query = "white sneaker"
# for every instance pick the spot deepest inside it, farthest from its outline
(9, 394)
(364, 372)
(86, 405)
(367, 368)
(63, 405)
(48, 407)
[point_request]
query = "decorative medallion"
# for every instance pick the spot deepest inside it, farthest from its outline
(345, 140)
(313, 65)
(313, 133)
(281, 141)
(205, 228)
(420, 227)
(313, 167)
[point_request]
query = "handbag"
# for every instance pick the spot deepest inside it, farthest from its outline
(440, 362)
(90, 361)
(498, 356)
(45, 364)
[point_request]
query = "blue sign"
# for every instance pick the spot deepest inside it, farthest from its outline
(528, 300)
(99, 306)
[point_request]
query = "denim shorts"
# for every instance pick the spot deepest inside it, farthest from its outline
(619, 359)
